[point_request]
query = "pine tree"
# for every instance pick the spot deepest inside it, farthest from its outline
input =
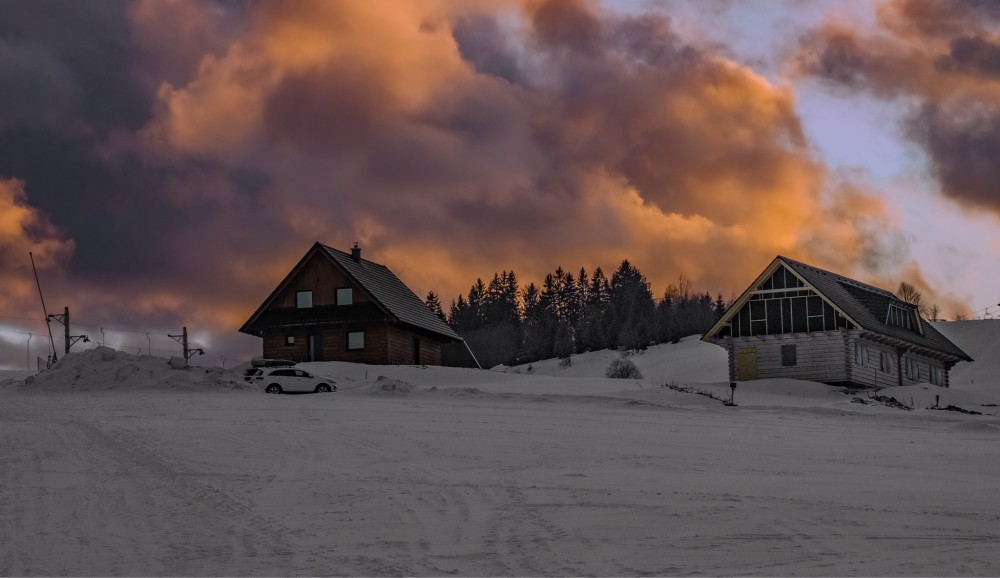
(720, 307)
(631, 302)
(459, 315)
(434, 304)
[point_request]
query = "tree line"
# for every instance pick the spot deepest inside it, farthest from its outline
(506, 323)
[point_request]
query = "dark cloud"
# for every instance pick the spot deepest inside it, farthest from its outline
(941, 60)
(338, 108)
(972, 54)
(567, 25)
(75, 54)
(962, 142)
(485, 44)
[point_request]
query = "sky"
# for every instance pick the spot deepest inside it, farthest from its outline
(168, 161)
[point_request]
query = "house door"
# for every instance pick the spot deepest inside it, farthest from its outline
(746, 364)
(315, 347)
(416, 351)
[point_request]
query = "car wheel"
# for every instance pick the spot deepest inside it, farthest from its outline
(273, 388)
(323, 388)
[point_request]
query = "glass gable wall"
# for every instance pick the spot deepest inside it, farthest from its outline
(783, 304)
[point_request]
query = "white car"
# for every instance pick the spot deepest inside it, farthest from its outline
(282, 379)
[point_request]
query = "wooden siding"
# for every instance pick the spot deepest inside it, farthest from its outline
(829, 357)
(820, 356)
(401, 347)
(869, 373)
(322, 277)
(385, 343)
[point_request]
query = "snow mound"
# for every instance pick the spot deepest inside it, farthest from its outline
(387, 385)
(463, 391)
(105, 369)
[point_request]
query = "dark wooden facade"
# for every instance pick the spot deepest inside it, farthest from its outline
(797, 321)
(394, 325)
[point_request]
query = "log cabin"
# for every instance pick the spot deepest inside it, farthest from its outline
(798, 321)
(336, 306)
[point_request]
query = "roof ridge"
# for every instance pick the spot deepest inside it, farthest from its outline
(842, 279)
(349, 256)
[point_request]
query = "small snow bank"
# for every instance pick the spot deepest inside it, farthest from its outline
(384, 385)
(926, 396)
(105, 369)
(691, 359)
(13, 378)
(773, 393)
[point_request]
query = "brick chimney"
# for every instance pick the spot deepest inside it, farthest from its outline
(356, 252)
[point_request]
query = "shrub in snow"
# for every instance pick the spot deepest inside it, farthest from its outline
(623, 369)
(565, 362)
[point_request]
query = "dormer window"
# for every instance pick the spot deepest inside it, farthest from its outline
(303, 299)
(902, 316)
(345, 296)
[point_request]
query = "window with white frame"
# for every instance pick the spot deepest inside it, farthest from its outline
(912, 369)
(303, 299)
(345, 296)
(937, 375)
(356, 340)
(289, 340)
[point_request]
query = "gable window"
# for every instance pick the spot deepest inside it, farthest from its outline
(303, 299)
(345, 296)
(788, 355)
(356, 340)
(289, 340)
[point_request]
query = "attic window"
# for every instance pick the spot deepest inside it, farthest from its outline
(303, 299)
(345, 296)
(904, 317)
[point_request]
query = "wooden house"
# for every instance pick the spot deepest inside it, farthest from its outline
(336, 306)
(798, 321)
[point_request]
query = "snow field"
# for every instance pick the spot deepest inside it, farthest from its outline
(151, 470)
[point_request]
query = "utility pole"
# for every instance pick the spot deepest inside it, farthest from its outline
(64, 319)
(188, 352)
(48, 324)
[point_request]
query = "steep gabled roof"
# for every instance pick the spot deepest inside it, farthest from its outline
(864, 305)
(391, 293)
(386, 290)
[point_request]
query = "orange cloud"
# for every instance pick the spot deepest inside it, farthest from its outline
(24, 229)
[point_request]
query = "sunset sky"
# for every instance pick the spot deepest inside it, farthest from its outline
(168, 161)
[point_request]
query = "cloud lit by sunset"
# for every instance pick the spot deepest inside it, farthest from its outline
(169, 162)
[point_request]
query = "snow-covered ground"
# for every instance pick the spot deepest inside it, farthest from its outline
(117, 465)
